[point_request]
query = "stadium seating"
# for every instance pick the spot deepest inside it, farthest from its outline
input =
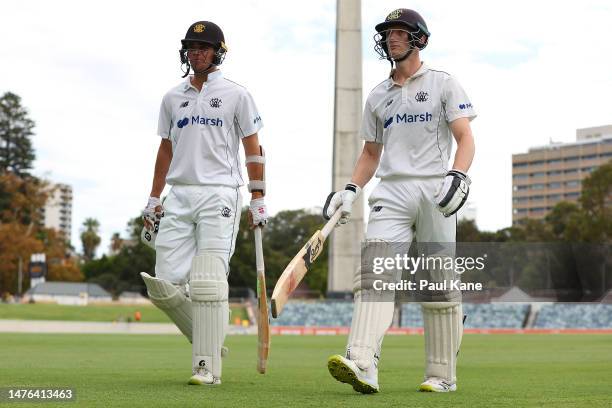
(575, 316)
(479, 316)
(311, 314)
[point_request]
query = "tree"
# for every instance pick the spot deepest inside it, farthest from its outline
(90, 238)
(596, 203)
(16, 152)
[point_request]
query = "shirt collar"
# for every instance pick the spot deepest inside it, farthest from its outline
(422, 70)
(213, 76)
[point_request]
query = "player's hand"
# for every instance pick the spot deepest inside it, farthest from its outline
(454, 192)
(153, 213)
(258, 213)
(341, 199)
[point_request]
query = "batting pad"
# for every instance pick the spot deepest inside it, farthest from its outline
(171, 301)
(371, 319)
(209, 298)
(443, 329)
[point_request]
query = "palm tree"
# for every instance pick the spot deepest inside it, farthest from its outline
(90, 238)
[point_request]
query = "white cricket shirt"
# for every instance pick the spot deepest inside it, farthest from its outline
(412, 122)
(205, 129)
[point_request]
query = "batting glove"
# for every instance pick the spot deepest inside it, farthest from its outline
(153, 213)
(343, 200)
(454, 192)
(259, 212)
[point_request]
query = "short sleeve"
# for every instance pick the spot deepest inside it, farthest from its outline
(248, 120)
(371, 126)
(164, 123)
(457, 103)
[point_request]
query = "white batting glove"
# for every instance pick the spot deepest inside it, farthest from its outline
(454, 192)
(152, 213)
(259, 212)
(341, 199)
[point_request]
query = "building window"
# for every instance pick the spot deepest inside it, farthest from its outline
(555, 161)
(569, 159)
(554, 185)
(572, 195)
(520, 176)
(571, 171)
(554, 172)
(537, 186)
(520, 164)
(538, 174)
(573, 183)
(589, 157)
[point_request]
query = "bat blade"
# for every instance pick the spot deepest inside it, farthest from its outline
(295, 272)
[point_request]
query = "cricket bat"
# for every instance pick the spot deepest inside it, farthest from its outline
(263, 320)
(297, 268)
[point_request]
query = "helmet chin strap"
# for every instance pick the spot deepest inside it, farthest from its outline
(204, 71)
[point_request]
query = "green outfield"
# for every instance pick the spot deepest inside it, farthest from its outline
(91, 313)
(151, 370)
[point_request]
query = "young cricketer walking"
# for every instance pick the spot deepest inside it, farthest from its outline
(412, 116)
(201, 124)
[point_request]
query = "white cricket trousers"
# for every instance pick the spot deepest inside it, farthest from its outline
(197, 217)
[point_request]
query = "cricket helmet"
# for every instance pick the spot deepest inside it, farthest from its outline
(205, 32)
(414, 24)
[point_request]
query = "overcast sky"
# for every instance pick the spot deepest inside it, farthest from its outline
(92, 75)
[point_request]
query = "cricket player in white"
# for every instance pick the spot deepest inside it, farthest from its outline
(202, 122)
(412, 116)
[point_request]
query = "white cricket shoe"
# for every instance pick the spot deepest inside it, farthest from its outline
(435, 384)
(202, 376)
(347, 371)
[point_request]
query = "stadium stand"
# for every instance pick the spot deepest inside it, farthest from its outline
(572, 315)
(479, 316)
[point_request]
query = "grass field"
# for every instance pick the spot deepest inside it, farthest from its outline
(150, 370)
(91, 313)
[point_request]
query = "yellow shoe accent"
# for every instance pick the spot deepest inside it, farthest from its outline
(341, 372)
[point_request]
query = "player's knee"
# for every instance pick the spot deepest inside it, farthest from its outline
(208, 281)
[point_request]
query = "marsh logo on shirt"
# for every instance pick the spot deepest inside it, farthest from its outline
(199, 120)
(408, 118)
(182, 123)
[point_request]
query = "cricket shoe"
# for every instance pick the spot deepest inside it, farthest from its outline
(347, 371)
(435, 384)
(202, 376)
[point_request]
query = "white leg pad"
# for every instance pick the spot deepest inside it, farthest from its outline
(209, 298)
(443, 330)
(371, 319)
(172, 301)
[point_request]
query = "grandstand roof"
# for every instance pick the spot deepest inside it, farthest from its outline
(68, 289)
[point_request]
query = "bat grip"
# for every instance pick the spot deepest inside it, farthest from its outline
(331, 224)
(259, 259)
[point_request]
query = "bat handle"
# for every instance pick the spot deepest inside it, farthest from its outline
(331, 224)
(259, 260)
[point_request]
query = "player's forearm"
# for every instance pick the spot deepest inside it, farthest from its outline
(254, 170)
(162, 164)
(465, 144)
(465, 153)
(366, 164)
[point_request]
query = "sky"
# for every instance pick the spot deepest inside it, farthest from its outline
(92, 76)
